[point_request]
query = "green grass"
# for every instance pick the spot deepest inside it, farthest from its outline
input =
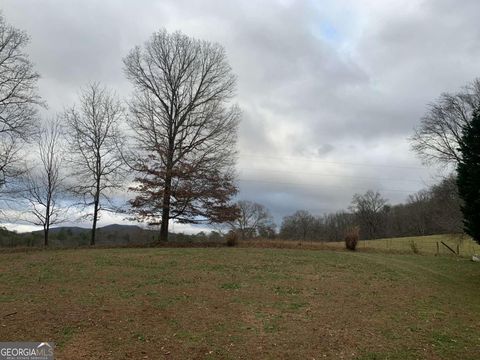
(242, 303)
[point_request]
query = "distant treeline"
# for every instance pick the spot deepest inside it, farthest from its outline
(432, 211)
(111, 235)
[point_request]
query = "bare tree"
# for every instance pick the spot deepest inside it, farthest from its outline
(9, 160)
(439, 134)
(253, 220)
(335, 225)
(95, 137)
(369, 209)
(418, 212)
(44, 183)
(186, 130)
(300, 225)
(18, 98)
(446, 206)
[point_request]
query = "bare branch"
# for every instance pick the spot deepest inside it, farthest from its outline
(253, 220)
(437, 138)
(95, 141)
(18, 98)
(44, 184)
(185, 130)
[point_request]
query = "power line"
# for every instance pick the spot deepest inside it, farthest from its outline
(328, 161)
(334, 175)
(322, 186)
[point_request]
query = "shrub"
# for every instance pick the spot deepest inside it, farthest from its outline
(232, 238)
(414, 247)
(351, 238)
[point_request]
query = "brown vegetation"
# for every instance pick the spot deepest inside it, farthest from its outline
(351, 238)
(177, 304)
(231, 238)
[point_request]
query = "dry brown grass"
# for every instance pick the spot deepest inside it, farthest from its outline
(241, 303)
(287, 244)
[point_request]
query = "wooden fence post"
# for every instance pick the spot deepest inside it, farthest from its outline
(448, 247)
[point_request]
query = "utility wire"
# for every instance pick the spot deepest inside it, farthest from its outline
(321, 186)
(333, 175)
(247, 155)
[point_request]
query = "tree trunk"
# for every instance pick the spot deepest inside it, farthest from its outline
(46, 226)
(96, 202)
(45, 236)
(95, 213)
(167, 191)
(166, 208)
(94, 225)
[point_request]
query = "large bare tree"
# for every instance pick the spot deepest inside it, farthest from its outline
(253, 220)
(369, 209)
(44, 183)
(18, 98)
(94, 129)
(186, 130)
(439, 134)
(299, 225)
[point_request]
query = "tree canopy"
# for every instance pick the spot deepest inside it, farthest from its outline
(186, 130)
(469, 176)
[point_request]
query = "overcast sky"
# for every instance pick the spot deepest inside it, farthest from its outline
(330, 90)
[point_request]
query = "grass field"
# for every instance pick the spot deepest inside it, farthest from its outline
(240, 303)
(425, 244)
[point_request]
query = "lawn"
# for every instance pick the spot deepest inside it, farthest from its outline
(241, 303)
(425, 244)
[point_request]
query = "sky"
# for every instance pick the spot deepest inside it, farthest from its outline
(330, 91)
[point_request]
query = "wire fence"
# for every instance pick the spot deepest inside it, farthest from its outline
(436, 244)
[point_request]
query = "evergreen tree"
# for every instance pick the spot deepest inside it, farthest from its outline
(469, 176)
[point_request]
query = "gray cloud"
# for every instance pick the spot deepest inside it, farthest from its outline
(329, 90)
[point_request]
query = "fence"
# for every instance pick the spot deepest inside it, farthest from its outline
(435, 244)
